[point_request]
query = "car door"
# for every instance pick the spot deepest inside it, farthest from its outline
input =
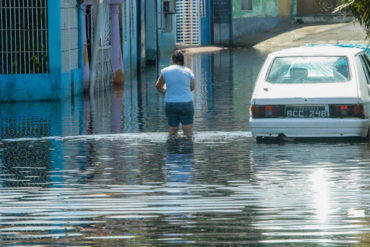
(365, 64)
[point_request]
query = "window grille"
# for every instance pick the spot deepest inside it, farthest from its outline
(24, 42)
(188, 22)
(103, 66)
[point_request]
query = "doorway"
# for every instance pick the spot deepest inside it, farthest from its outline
(222, 22)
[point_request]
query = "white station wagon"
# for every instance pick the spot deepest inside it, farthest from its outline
(320, 91)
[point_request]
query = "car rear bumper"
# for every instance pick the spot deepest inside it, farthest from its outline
(315, 127)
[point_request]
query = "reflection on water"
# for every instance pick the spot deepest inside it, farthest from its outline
(179, 161)
(224, 83)
(100, 172)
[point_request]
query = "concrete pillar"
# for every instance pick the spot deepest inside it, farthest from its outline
(117, 64)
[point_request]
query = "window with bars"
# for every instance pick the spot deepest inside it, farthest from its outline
(188, 13)
(24, 47)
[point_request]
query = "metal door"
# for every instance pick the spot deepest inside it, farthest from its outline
(222, 22)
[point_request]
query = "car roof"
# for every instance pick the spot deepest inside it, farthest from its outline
(324, 50)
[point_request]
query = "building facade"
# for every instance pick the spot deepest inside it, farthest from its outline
(193, 23)
(47, 52)
(253, 16)
(103, 64)
(148, 32)
(40, 50)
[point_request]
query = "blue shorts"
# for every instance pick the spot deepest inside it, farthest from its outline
(177, 113)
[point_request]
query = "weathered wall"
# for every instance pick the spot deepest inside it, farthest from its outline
(130, 27)
(167, 39)
(23, 87)
(150, 31)
(154, 33)
(287, 8)
(72, 47)
(310, 7)
(64, 78)
(266, 14)
(69, 27)
(205, 25)
(260, 8)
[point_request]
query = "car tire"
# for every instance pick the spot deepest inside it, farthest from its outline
(259, 139)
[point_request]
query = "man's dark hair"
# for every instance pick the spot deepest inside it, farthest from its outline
(178, 57)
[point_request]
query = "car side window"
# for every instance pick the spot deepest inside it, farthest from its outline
(367, 61)
(366, 67)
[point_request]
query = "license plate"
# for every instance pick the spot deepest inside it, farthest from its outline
(307, 111)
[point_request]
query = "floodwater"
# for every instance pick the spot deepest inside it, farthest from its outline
(99, 172)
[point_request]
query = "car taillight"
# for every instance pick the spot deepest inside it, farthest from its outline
(267, 111)
(343, 111)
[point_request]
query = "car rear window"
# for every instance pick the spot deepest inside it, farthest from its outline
(309, 69)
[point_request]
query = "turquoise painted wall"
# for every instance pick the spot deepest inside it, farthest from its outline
(265, 15)
(205, 25)
(150, 31)
(130, 49)
(167, 39)
(264, 8)
(260, 8)
(52, 86)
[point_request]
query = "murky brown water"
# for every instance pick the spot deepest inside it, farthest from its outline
(101, 173)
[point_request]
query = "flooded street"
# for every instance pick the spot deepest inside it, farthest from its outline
(99, 172)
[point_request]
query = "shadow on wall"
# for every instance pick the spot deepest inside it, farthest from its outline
(254, 38)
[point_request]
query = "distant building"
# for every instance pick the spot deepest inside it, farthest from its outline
(219, 22)
(40, 50)
(193, 22)
(149, 31)
(251, 16)
(47, 46)
(319, 12)
(152, 29)
(105, 58)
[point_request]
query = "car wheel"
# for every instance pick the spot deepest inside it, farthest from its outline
(259, 139)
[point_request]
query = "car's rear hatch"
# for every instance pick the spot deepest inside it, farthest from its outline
(302, 94)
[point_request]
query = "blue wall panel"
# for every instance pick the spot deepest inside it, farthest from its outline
(129, 24)
(167, 38)
(205, 25)
(29, 87)
(55, 38)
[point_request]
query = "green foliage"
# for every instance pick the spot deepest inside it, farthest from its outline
(35, 61)
(359, 9)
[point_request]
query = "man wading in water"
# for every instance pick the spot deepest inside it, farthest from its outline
(176, 82)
